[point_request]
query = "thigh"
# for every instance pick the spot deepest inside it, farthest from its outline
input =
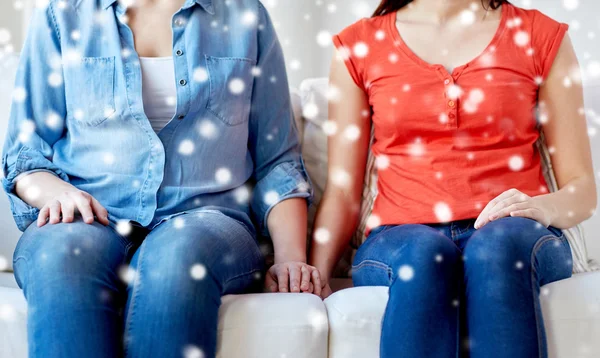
(206, 244)
(400, 250)
(522, 244)
(55, 250)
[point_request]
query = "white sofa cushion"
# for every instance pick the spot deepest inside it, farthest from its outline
(571, 310)
(267, 325)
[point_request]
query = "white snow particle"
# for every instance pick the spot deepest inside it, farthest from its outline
(223, 175)
(241, 194)
(236, 86)
(516, 163)
(467, 17)
(127, 274)
(442, 212)
(207, 129)
(322, 235)
(380, 35)
(271, 198)
(191, 351)
(571, 4)
(249, 18)
(406, 273)
(178, 223)
(340, 177)
(382, 162)
(521, 38)
(373, 221)
(519, 265)
(324, 38)
(360, 49)
(19, 94)
(186, 147)
(454, 91)
(124, 227)
(109, 158)
(3, 263)
(198, 271)
(200, 74)
(310, 111)
(352, 132)
(329, 127)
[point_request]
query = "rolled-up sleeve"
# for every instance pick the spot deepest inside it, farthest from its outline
(37, 113)
(279, 170)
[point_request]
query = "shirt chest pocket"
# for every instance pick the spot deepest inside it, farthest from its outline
(231, 82)
(89, 90)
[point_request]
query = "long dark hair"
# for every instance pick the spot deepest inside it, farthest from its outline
(387, 6)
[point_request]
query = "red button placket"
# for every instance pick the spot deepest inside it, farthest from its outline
(451, 103)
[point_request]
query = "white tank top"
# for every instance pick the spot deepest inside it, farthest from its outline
(159, 90)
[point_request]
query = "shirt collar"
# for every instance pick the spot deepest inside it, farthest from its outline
(205, 4)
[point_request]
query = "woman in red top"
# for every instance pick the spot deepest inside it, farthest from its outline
(464, 230)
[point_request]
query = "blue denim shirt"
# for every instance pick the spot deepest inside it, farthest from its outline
(77, 112)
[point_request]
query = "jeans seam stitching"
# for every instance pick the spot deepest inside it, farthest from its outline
(240, 275)
(536, 305)
(134, 294)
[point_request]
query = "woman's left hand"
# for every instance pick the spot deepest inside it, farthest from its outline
(293, 276)
(516, 204)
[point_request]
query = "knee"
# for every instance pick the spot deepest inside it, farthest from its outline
(502, 246)
(417, 249)
(63, 251)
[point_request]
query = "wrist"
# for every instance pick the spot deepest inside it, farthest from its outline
(281, 258)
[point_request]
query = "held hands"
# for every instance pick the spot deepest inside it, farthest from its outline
(68, 203)
(517, 204)
(293, 276)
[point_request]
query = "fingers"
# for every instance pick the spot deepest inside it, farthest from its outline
(43, 215)
(526, 213)
(311, 288)
(68, 209)
(507, 210)
(305, 278)
(83, 202)
(316, 280)
(502, 205)
(270, 282)
(295, 275)
(101, 212)
(54, 212)
(283, 278)
(483, 217)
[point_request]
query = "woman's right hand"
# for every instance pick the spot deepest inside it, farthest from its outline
(70, 202)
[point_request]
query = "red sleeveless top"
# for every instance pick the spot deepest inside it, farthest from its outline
(448, 143)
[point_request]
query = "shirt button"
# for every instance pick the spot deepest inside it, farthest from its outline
(179, 52)
(447, 82)
(179, 22)
(451, 103)
(183, 82)
(451, 115)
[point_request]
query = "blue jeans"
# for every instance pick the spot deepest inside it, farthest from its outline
(85, 300)
(456, 291)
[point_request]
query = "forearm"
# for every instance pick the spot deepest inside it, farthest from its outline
(573, 203)
(287, 226)
(335, 224)
(36, 189)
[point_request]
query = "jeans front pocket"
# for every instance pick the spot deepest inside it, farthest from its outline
(231, 83)
(89, 90)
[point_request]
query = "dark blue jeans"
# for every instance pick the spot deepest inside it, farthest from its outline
(75, 277)
(456, 291)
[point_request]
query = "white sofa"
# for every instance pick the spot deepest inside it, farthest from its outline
(346, 325)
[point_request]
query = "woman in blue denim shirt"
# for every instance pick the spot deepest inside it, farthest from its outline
(173, 137)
